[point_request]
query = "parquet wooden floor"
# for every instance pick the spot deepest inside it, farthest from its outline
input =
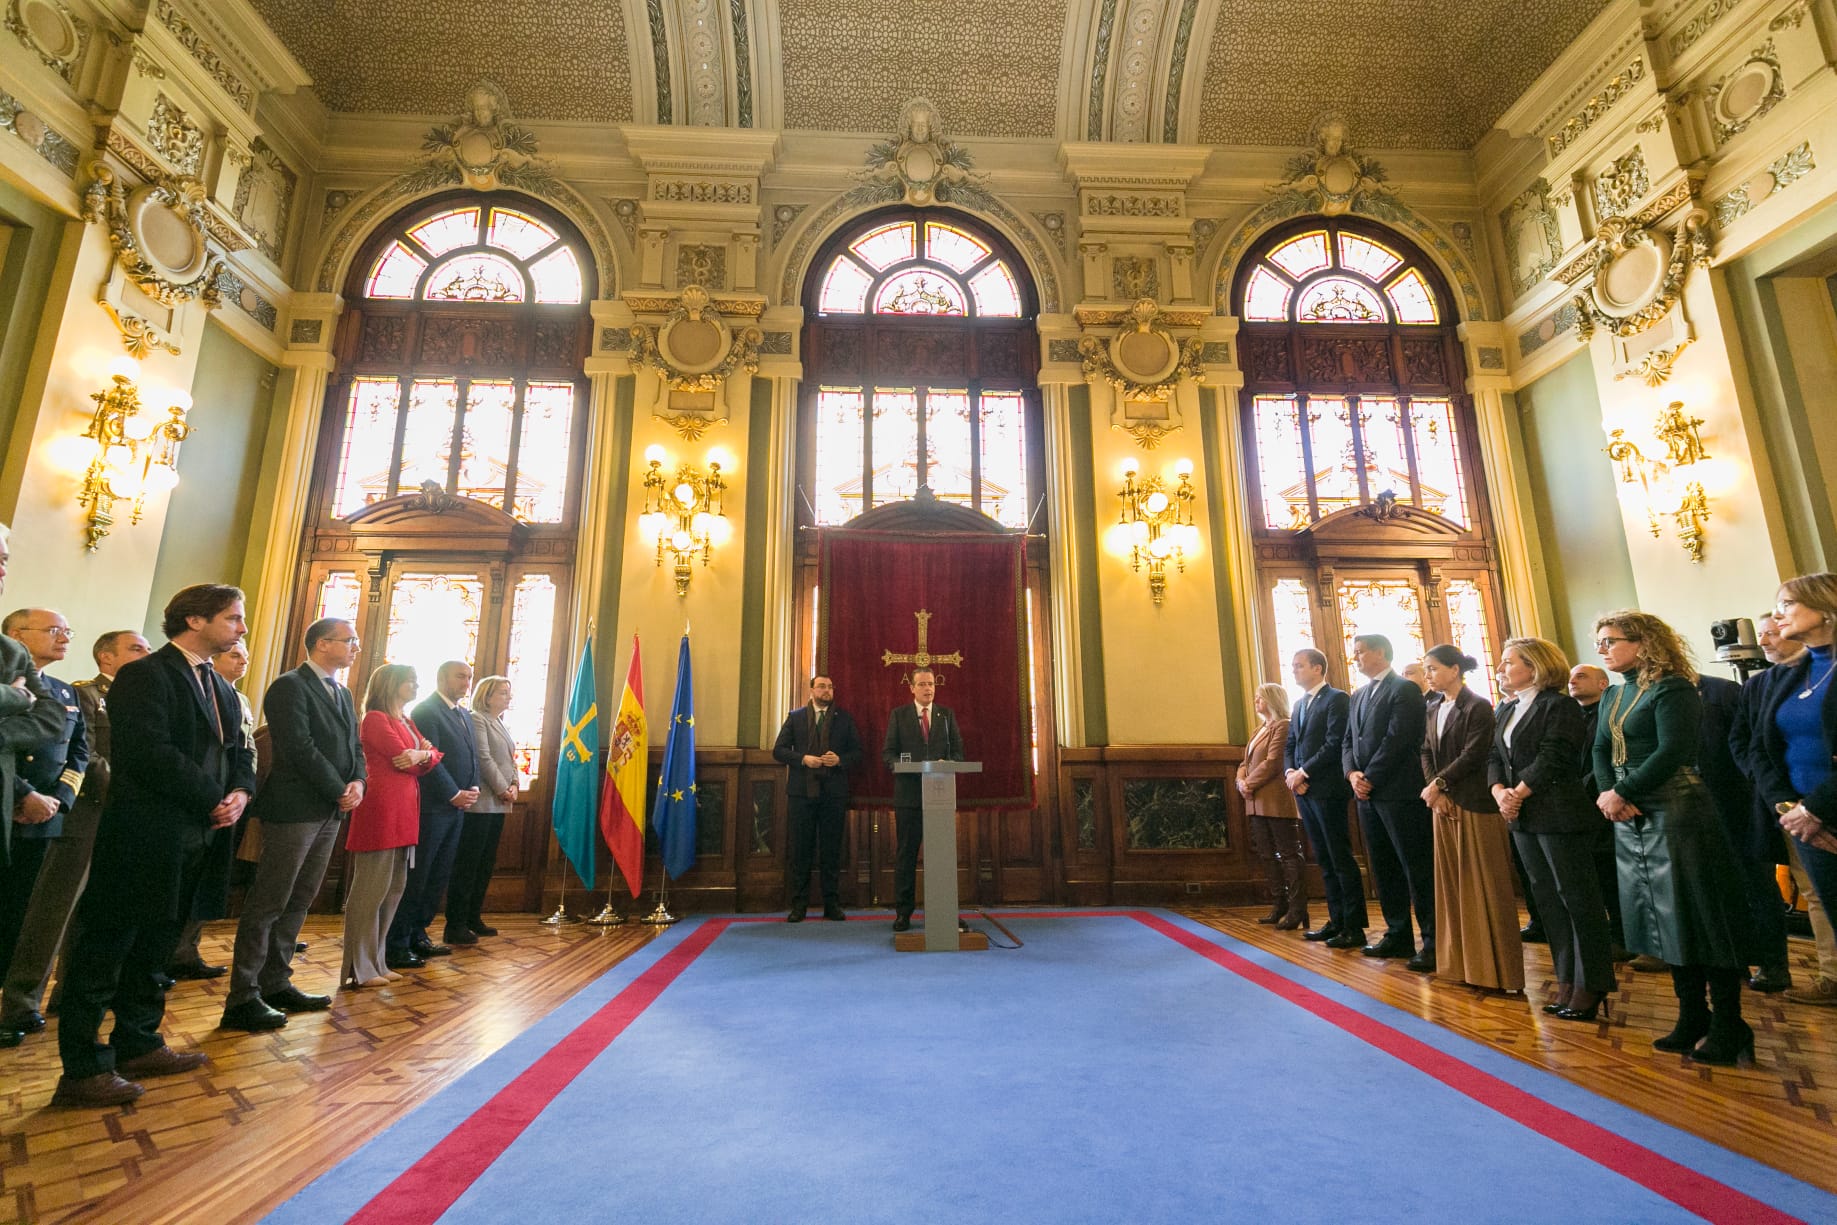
(271, 1111)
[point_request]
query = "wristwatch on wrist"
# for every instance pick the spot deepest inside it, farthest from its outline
(1440, 782)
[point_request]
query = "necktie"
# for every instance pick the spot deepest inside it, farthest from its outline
(925, 721)
(210, 699)
(1301, 713)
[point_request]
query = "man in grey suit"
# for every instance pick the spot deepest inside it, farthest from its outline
(921, 731)
(316, 778)
(1383, 762)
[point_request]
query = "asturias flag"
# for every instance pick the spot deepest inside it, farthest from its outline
(575, 793)
(674, 816)
(627, 759)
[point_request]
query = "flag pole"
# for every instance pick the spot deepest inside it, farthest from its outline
(608, 917)
(661, 917)
(561, 916)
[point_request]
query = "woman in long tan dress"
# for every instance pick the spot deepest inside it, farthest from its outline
(1476, 925)
(1275, 826)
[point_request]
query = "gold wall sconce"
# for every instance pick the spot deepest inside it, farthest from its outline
(132, 458)
(1156, 524)
(1666, 493)
(683, 513)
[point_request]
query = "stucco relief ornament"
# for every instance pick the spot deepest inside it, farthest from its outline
(695, 349)
(1639, 273)
(1334, 177)
(482, 149)
(918, 161)
(158, 232)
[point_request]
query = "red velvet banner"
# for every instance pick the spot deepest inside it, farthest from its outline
(887, 597)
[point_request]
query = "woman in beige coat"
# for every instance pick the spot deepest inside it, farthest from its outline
(1275, 826)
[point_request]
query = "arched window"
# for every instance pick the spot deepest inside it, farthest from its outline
(920, 357)
(1362, 464)
(446, 493)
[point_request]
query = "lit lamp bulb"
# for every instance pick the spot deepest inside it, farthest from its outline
(1155, 503)
(1139, 531)
(1160, 546)
(699, 524)
(684, 493)
(1130, 467)
(655, 454)
(1183, 468)
(124, 367)
(681, 541)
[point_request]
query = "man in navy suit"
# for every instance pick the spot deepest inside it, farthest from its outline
(921, 731)
(316, 778)
(447, 791)
(1316, 731)
(820, 745)
(1383, 762)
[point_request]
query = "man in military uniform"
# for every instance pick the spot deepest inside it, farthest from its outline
(66, 864)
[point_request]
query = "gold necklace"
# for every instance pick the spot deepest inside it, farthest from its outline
(1617, 719)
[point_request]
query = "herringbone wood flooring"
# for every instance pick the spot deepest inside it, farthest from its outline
(271, 1111)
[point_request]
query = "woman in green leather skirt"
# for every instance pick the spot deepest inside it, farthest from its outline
(1680, 892)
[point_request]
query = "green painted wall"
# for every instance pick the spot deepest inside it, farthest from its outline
(752, 607)
(28, 262)
(1586, 563)
(1084, 542)
(220, 466)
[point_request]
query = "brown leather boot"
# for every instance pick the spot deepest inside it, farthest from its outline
(1294, 883)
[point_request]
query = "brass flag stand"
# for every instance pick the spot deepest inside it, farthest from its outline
(661, 917)
(608, 917)
(561, 917)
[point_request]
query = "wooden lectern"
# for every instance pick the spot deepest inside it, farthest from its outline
(938, 792)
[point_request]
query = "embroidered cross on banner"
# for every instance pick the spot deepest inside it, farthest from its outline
(923, 656)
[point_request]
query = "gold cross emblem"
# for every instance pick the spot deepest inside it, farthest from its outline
(923, 656)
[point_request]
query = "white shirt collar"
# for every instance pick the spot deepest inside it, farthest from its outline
(1316, 689)
(323, 674)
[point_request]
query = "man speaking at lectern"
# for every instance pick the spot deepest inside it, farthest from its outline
(920, 731)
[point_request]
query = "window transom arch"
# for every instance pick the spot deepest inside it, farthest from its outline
(1363, 469)
(920, 264)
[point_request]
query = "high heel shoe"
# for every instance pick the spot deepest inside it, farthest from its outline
(1691, 1028)
(1726, 1045)
(1559, 1000)
(1599, 1005)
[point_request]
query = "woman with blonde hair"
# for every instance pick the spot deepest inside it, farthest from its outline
(1275, 825)
(1538, 787)
(1681, 896)
(386, 825)
(483, 823)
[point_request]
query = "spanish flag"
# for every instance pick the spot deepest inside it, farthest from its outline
(622, 793)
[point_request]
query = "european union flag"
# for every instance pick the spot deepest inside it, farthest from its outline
(673, 817)
(577, 789)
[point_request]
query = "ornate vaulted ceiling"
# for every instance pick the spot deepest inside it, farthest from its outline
(1413, 74)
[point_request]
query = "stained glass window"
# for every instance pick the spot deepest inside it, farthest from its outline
(949, 443)
(845, 288)
(396, 273)
(484, 453)
(519, 233)
(557, 277)
(1391, 607)
(1280, 464)
(895, 436)
(1267, 296)
(433, 618)
(1387, 463)
(838, 455)
(1409, 293)
(478, 277)
(919, 293)
(369, 445)
(890, 244)
(1467, 618)
(1336, 463)
(1294, 617)
(1303, 255)
(1004, 458)
(953, 248)
(532, 626)
(1438, 460)
(1339, 300)
(542, 452)
(995, 291)
(447, 231)
(1365, 257)
(339, 596)
(427, 439)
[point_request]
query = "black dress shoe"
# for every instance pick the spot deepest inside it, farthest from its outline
(404, 961)
(195, 969)
(480, 929)
(1322, 933)
(1766, 980)
(292, 999)
(299, 946)
(165, 982)
(833, 913)
(253, 1016)
(458, 935)
(795, 915)
(1394, 950)
(28, 1022)
(1423, 962)
(1532, 933)
(10, 1038)
(1351, 938)
(904, 922)
(427, 948)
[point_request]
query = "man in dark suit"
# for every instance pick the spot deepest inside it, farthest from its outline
(50, 774)
(921, 731)
(1316, 732)
(1754, 832)
(1588, 684)
(180, 770)
(819, 743)
(28, 713)
(1382, 760)
(447, 791)
(316, 777)
(66, 866)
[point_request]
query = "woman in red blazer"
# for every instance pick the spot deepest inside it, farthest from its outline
(385, 826)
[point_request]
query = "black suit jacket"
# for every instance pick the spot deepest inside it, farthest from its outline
(1316, 738)
(1458, 755)
(1591, 718)
(169, 769)
(55, 768)
(1724, 776)
(1763, 841)
(313, 745)
(1769, 758)
(794, 743)
(1384, 733)
(905, 736)
(451, 732)
(1543, 753)
(28, 716)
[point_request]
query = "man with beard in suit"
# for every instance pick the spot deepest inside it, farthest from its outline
(819, 743)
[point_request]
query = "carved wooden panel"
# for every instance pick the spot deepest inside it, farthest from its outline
(920, 354)
(443, 340)
(494, 342)
(1424, 363)
(383, 338)
(1346, 359)
(1006, 353)
(837, 354)
(1266, 359)
(556, 343)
